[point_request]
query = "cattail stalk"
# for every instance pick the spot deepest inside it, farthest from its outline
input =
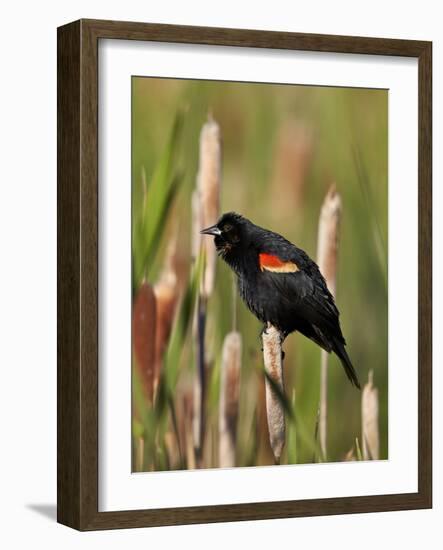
(369, 416)
(185, 426)
(328, 231)
(139, 454)
(273, 361)
(264, 451)
(206, 210)
(229, 398)
(198, 423)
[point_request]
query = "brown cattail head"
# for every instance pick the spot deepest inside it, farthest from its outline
(166, 294)
(328, 229)
(229, 398)
(369, 416)
(208, 189)
(144, 333)
(272, 356)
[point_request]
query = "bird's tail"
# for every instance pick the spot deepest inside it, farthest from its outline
(341, 353)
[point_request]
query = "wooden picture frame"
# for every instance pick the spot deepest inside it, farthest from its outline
(78, 274)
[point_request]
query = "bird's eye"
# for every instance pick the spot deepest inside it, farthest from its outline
(227, 227)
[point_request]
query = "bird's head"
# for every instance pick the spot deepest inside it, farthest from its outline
(230, 234)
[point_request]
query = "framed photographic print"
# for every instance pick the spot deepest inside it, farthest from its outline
(244, 275)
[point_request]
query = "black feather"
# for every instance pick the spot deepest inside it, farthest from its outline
(340, 351)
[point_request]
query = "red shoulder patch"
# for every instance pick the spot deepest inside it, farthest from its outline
(273, 263)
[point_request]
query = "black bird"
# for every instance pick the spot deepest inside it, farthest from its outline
(280, 284)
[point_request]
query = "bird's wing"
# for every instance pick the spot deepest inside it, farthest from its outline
(301, 284)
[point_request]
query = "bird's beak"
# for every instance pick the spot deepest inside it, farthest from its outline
(213, 230)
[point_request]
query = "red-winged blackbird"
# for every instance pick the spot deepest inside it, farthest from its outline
(280, 284)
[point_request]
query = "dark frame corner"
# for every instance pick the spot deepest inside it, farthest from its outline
(77, 319)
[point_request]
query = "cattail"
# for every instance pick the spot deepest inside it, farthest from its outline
(197, 225)
(328, 230)
(144, 330)
(229, 398)
(208, 188)
(293, 154)
(369, 417)
(273, 360)
(166, 294)
(206, 210)
(264, 451)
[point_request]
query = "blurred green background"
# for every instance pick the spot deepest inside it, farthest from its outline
(283, 146)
